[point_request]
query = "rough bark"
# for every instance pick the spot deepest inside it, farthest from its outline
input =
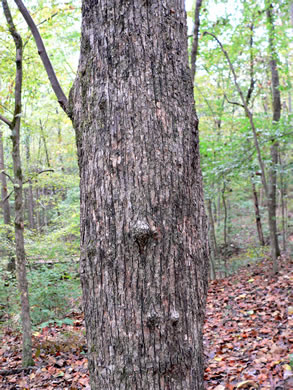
(4, 192)
(144, 251)
(18, 202)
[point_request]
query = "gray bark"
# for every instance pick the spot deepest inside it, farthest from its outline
(18, 182)
(4, 192)
(144, 251)
(272, 201)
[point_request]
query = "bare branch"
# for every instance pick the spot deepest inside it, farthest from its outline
(45, 170)
(7, 197)
(38, 173)
(9, 177)
(236, 103)
(6, 121)
(62, 99)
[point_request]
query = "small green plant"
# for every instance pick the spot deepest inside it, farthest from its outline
(51, 292)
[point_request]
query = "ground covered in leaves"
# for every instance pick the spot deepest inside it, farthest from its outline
(248, 339)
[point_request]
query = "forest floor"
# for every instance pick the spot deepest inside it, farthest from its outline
(248, 338)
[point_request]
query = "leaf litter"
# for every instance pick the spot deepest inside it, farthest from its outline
(248, 339)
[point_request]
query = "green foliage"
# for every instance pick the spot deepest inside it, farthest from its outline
(54, 290)
(50, 292)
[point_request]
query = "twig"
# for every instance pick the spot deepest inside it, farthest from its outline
(236, 103)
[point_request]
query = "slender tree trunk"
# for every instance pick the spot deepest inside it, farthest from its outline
(213, 240)
(194, 48)
(45, 144)
(283, 203)
(30, 196)
(225, 216)
(257, 215)
(60, 157)
(18, 222)
(4, 192)
(275, 250)
(144, 250)
(20, 252)
(38, 211)
(225, 228)
(212, 228)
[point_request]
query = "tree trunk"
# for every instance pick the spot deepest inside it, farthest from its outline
(213, 240)
(30, 195)
(283, 190)
(45, 144)
(272, 203)
(144, 250)
(194, 48)
(30, 199)
(18, 222)
(225, 216)
(257, 215)
(4, 192)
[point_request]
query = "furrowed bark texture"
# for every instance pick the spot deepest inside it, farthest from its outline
(144, 252)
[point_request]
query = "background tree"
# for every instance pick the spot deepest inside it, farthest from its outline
(4, 191)
(14, 126)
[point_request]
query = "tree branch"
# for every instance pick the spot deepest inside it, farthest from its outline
(62, 99)
(236, 103)
(38, 173)
(6, 121)
(9, 177)
(5, 199)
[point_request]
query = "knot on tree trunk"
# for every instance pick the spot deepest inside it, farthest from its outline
(142, 233)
